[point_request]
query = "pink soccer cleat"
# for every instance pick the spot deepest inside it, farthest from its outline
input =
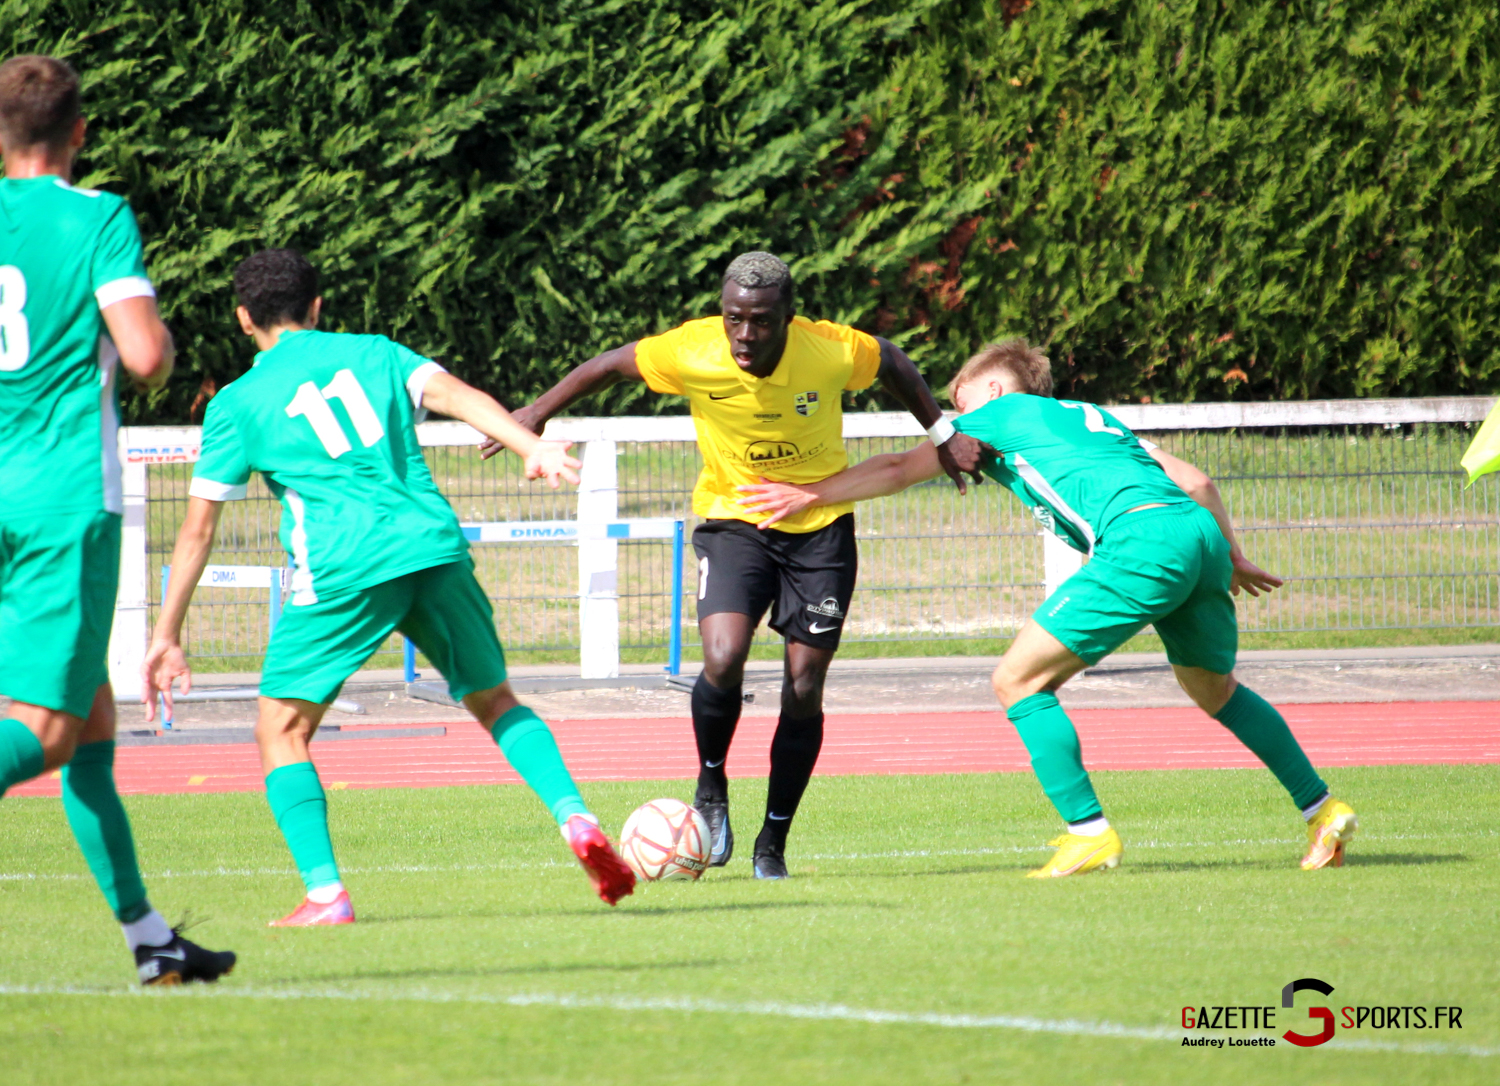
(311, 915)
(611, 878)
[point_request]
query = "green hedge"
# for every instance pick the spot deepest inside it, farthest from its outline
(1184, 200)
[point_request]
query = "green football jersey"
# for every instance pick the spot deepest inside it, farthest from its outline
(328, 421)
(1076, 465)
(66, 254)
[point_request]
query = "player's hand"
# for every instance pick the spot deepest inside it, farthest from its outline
(550, 460)
(776, 500)
(529, 420)
(165, 663)
(961, 455)
(1247, 575)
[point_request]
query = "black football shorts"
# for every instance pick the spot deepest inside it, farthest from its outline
(805, 578)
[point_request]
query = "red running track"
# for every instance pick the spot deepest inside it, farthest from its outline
(1400, 733)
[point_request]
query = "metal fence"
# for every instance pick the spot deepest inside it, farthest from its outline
(1369, 521)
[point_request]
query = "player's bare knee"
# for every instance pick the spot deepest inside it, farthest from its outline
(490, 705)
(57, 732)
(58, 749)
(1010, 687)
(802, 699)
(724, 661)
(284, 720)
(1209, 690)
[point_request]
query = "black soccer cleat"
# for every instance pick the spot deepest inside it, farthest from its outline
(720, 836)
(180, 962)
(770, 863)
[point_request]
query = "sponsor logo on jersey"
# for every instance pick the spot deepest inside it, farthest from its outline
(758, 452)
(807, 403)
(829, 607)
(1044, 517)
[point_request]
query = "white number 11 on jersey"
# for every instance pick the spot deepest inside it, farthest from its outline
(312, 404)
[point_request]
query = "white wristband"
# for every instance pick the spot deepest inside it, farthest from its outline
(940, 431)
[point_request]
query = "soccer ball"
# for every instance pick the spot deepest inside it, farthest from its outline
(665, 839)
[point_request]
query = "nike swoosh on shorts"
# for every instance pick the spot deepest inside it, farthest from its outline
(815, 628)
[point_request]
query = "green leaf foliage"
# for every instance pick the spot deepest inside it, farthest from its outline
(1183, 199)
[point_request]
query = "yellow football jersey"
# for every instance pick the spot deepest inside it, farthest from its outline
(788, 427)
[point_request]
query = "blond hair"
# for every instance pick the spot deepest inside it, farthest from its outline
(1031, 368)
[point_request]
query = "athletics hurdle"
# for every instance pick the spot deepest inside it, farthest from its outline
(591, 586)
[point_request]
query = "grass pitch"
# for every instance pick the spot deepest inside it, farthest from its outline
(906, 949)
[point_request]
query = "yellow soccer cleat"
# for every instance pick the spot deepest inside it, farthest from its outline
(1077, 854)
(1327, 834)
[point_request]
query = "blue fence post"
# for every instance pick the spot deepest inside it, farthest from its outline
(276, 580)
(674, 650)
(161, 702)
(411, 659)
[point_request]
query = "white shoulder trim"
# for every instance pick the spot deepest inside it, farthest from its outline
(217, 492)
(418, 381)
(132, 286)
(1147, 445)
(92, 194)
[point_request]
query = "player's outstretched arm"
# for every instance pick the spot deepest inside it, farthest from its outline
(959, 454)
(165, 661)
(1203, 490)
(447, 395)
(143, 340)
(596, 374)
(872, 478)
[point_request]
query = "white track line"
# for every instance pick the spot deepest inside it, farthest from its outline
(900, 854)
(828, 1012)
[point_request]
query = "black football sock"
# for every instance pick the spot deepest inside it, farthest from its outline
(794, 752)
(715, 714)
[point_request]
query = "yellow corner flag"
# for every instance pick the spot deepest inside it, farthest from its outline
(1483, 456)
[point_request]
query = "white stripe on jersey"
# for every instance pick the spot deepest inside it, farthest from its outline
(1041, 486)
(302, 577)
(217, 492)
(109, 428)
(418, 381)
(117, 290)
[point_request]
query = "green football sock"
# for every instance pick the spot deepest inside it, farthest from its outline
(1056, 756)
(21, 754)
(527, 744)
(1256, 723)
(301, 810)
(102, 830)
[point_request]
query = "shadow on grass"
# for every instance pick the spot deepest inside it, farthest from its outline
(742, 906)
(1354, 859)
(1148, 867)
(630, 908)
(1403, 859)
(1007, 868)
(513, 970)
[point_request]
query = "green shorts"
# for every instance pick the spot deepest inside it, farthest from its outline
(444, 612)
(1166, 567)
(58, 578)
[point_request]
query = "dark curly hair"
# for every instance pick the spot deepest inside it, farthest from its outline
(277, 286)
